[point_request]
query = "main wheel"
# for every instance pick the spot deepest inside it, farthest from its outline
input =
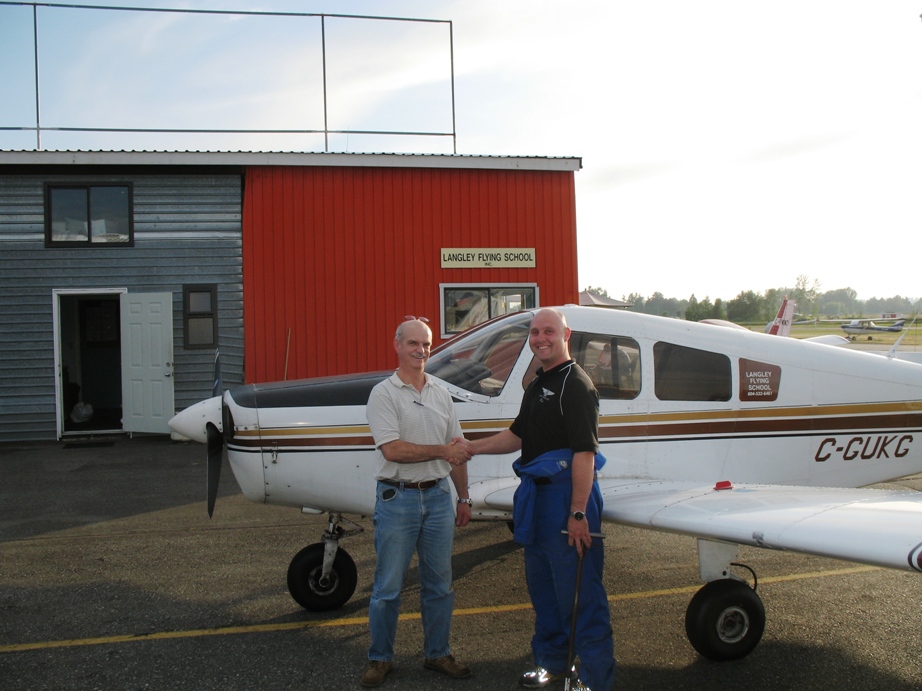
(311, 591)
(725, 620)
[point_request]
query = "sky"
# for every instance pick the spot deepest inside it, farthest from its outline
(727, 145)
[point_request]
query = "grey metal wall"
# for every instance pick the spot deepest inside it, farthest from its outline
(187, 230)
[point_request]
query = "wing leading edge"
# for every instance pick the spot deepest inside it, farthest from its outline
(880, 527)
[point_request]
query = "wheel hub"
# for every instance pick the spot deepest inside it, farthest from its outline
(733, 625)
(320, 584)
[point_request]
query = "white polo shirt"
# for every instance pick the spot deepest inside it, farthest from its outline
(398, 411)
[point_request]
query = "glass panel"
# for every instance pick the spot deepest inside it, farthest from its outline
(614, 377)
(68, 215)
(200, 301)
(481, 360)
(465, 307)
(200, 331)
(689, 374)
(109, 214)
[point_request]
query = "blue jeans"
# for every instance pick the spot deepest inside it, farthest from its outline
(550, 571)
(408, 520)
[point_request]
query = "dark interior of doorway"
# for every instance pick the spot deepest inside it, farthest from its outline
(91, 356)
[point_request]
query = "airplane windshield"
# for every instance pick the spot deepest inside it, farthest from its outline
(481, 360)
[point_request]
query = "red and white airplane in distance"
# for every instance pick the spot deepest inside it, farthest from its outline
(725, 435)
(781, 326)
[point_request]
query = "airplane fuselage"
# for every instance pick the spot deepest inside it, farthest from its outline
(689, 403)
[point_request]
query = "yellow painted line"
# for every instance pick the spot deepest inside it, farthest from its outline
(363, 621)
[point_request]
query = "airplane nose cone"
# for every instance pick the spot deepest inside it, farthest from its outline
(191, 422)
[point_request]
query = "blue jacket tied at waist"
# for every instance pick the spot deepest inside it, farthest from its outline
(555, 466)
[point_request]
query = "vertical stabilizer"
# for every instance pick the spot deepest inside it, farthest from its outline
(782, 324)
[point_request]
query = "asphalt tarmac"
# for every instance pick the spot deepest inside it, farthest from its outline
(112, 576)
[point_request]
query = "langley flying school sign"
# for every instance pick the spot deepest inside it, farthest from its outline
(488, 257)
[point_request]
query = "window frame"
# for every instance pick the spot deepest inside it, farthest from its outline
(445, 287)
(49, 188)
(188, 313)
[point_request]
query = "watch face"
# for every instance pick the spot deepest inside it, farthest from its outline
(578, 515)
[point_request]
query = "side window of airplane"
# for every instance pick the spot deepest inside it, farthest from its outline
(689, 374)
(612, 362)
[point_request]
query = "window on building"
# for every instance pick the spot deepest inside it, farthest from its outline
(200, 316)
(464, 306)
(689, 374)
(78, 215)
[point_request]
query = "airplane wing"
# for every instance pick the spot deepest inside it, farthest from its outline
(880, 527)
(871, 526)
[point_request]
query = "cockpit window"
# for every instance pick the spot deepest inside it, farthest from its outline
(689, 374)
(481, 360)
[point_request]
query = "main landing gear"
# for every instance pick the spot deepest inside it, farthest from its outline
(725, 619)
(322, 577)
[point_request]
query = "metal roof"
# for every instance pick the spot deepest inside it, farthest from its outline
(280, 158)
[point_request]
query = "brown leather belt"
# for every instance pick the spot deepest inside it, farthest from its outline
(425, 484)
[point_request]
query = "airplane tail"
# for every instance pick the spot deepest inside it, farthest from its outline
(781, 326)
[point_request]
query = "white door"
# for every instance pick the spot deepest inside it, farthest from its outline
(147, 361)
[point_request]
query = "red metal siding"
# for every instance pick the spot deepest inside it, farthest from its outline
(333, 257)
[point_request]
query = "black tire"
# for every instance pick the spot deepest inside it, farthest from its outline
(725, 620)
(304, 579)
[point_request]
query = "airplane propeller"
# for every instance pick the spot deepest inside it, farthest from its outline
(215, 440)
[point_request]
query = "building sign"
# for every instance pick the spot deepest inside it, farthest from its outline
(759, 381)
(488, 257)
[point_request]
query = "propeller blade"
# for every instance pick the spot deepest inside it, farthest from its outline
(216, 389)
(215, 456)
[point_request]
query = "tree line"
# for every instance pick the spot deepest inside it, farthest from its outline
(752, 307)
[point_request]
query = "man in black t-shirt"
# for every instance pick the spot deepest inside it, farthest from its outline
(557, 432)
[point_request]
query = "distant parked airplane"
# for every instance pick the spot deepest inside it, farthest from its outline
(858, 327)
(781, 326)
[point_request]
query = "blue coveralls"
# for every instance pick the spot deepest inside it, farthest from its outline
(540, 513)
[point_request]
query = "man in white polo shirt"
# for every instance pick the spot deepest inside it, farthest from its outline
(413, 422)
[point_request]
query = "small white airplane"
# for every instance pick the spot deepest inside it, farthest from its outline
(858, 327)
(725, 435)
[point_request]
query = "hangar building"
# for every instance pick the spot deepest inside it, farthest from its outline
(122, 272)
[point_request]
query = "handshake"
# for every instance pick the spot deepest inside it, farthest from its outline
(459, 451)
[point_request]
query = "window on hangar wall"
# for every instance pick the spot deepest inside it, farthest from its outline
(466, 305)
(200, 316)
(80, 215)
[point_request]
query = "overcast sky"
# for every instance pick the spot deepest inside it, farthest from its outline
(726, 145)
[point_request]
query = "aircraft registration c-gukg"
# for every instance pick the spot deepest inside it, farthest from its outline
(725, 435)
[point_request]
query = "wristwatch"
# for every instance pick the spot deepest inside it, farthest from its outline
(469, 502)
(578, 515)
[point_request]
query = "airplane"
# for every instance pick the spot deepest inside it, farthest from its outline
(857, 327)
(781, 325)
(727, 436)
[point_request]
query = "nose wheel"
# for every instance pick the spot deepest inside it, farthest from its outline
(322, 577)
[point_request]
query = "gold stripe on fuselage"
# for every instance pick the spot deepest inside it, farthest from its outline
(899, 415)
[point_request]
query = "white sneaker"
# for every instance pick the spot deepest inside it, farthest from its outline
(538, 678)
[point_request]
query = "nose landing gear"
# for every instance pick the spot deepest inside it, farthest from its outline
(322, 577)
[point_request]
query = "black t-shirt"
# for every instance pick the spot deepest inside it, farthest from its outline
(560, 410)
